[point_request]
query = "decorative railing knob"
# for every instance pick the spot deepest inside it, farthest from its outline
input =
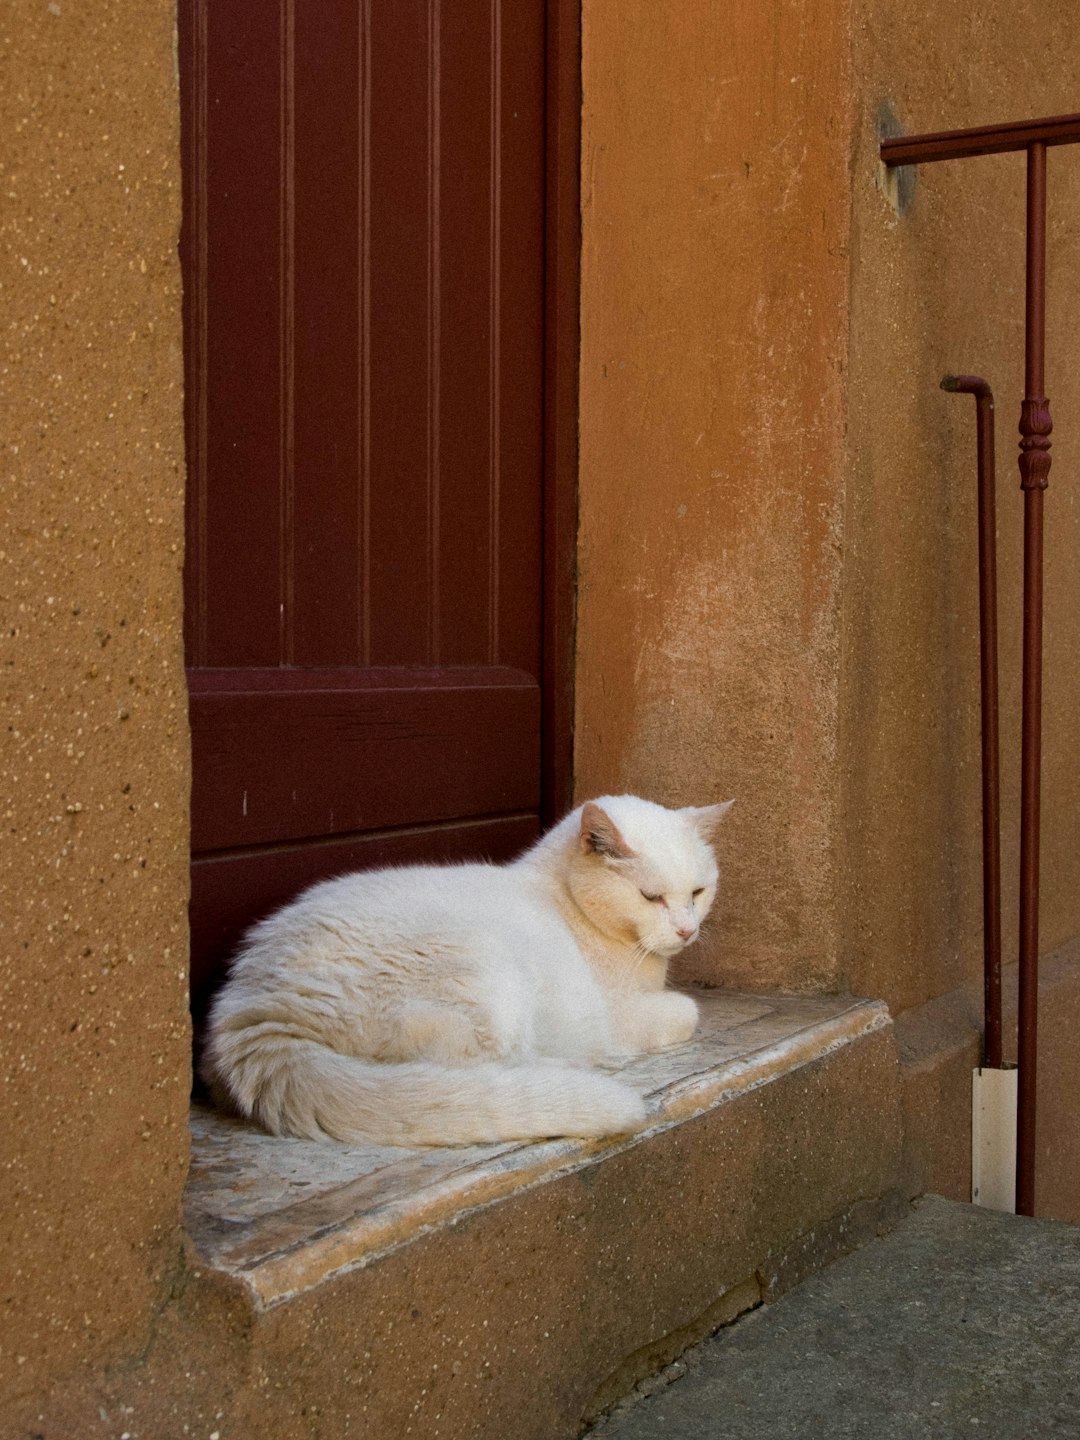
(1035, 428)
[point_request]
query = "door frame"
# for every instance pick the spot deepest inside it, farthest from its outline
(562, 331)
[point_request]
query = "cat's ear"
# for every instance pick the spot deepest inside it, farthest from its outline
(705, 818)
(599, 835)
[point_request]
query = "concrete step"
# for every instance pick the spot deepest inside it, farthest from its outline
(519, 1289)
(961, 1322)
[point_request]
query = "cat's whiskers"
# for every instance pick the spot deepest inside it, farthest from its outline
(640, 953)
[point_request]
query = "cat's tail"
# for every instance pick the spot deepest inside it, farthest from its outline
(299, 1087)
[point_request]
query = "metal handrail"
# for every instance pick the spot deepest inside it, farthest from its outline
(1033, 137)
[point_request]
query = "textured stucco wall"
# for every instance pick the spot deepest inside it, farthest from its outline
(94, 1049)
(941, 288)
(778, 582)
(715, 209)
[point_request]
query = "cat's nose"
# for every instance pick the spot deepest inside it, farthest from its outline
(685, 932)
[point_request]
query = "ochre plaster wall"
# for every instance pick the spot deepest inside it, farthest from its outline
(777, 546)
(714, 328)
(940, 288)
(94, 1055)
(778, 593)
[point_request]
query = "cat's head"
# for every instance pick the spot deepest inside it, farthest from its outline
(645, 874)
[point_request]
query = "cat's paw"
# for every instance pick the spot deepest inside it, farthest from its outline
(672, 1020)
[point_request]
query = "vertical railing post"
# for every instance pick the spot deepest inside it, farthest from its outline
(1035, 428)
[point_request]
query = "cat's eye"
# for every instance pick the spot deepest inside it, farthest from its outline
(652, 899)
(699, 892)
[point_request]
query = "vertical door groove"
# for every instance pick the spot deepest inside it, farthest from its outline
(197, 338)
(494, 326)
(364, 338)
(434, 323)
(287, 334)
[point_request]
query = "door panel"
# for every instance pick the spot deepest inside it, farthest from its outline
(364, 265)
(285, 754)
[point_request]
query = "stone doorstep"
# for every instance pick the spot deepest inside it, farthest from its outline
(284, 1215)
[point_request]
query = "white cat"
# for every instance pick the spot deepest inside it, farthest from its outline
(450, 1005)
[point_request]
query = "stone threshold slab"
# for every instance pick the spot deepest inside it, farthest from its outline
(283, 1215)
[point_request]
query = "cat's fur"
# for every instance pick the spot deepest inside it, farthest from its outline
(438, 1005)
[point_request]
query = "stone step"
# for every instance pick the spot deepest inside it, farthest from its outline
(501, 1289)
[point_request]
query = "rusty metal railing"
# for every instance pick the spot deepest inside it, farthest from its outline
(1033, 137)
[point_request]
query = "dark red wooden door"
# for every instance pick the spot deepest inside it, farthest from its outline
(364, 265)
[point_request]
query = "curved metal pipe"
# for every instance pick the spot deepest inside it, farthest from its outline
(988, 670)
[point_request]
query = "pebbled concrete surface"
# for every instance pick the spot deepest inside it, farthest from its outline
(962, 1322)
